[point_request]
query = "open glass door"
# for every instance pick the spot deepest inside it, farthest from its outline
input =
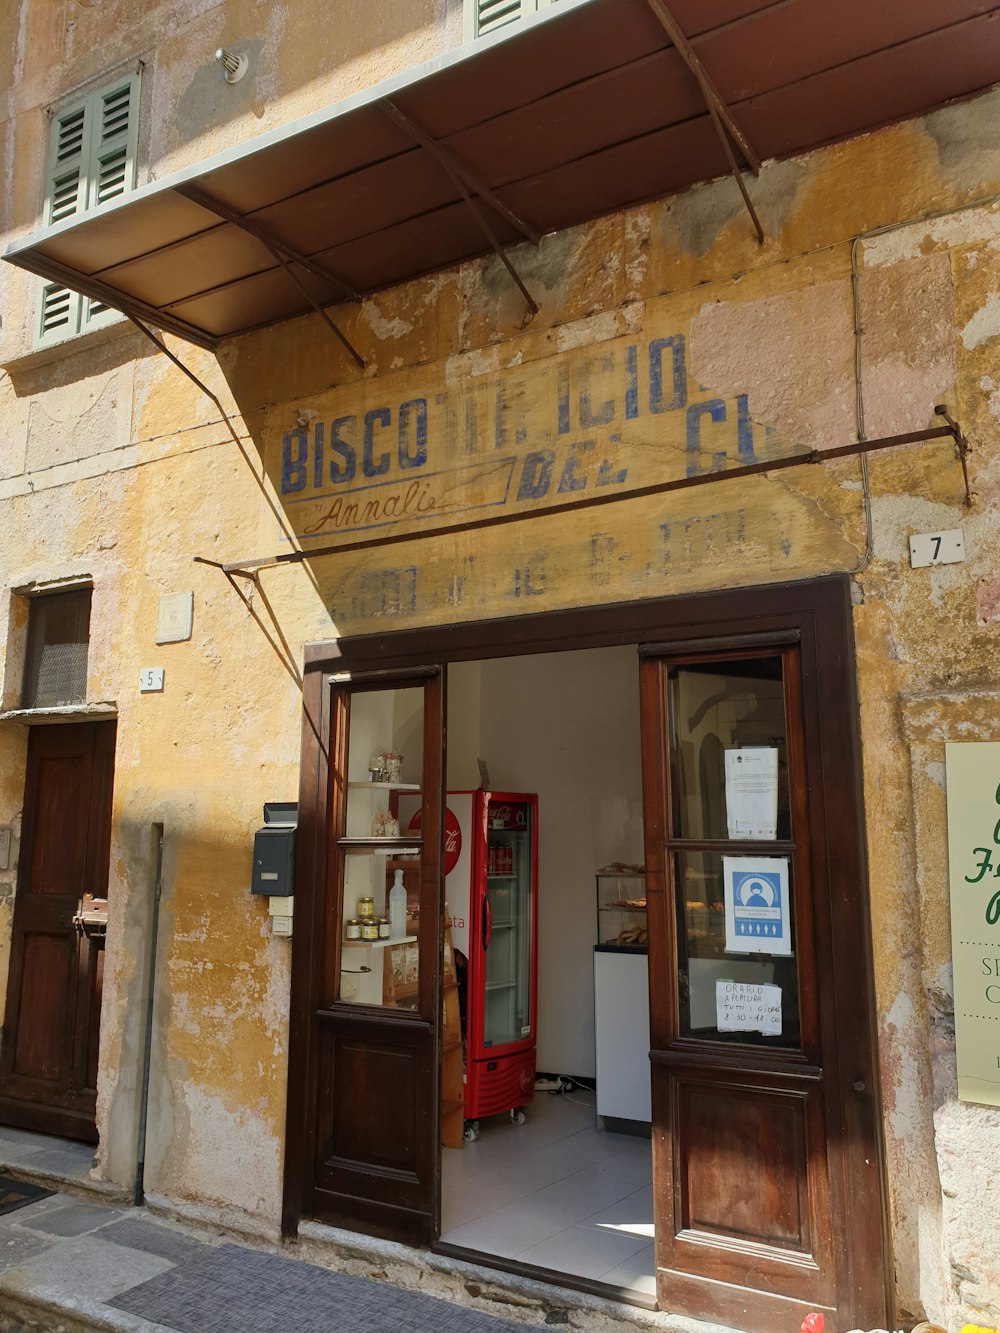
(740, 1165)
(374, 1091)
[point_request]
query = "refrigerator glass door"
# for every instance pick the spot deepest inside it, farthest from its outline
(506, 935)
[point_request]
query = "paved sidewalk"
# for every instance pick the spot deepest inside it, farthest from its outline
(82, 1259)
(73, 1263)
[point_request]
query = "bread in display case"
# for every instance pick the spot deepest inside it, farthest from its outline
(621, 909)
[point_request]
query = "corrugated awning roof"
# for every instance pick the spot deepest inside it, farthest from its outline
(586, 108)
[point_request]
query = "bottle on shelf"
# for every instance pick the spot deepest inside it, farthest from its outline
(397, 907)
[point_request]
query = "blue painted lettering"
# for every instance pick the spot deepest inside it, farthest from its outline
(570, 479)
(293, 465)
(715, 408)
(417, 409)
(378, 416)
(678, 374)
(589, 418)
(536, 474)
(631, 383)
(343, 456)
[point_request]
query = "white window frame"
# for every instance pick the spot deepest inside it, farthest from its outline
(483, 17)
(92, 160)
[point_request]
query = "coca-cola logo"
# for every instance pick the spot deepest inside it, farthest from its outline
(452, 837)
(452, 841)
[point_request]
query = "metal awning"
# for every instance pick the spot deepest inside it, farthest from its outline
(585, 108)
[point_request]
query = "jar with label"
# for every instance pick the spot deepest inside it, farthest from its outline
(366, 908)
(352, 929)
(369, 929)
(383, 927)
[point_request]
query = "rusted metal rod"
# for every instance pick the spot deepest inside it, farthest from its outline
(708, 89)
(455, 166)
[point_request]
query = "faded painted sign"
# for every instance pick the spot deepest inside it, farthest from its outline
(516, 429)
(419, 446)
(973, 774)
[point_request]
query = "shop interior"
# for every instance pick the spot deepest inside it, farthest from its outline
(568, 1190)
(556, 1173)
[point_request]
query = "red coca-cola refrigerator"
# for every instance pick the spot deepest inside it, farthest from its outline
(491, 892)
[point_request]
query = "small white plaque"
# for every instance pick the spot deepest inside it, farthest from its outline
(937, 548)
(150, 679)
(174, 617)
(5, 847)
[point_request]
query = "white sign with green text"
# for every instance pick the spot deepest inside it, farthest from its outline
(973, 774)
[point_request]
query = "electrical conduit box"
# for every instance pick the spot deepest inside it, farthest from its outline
(274, 863)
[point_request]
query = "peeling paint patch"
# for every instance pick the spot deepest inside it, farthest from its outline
(988, 601)
(482, 361)
(756, 347)
(966, 228)
(583, 332)
(935, 771)
(900, 1069)
(984, 324)
(385, 329)
(908, 364)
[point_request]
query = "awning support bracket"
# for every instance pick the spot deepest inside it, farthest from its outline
(462, 179)
(246, 568)
(282, 252)
(962, 449)
(722, 118)
(278, 642)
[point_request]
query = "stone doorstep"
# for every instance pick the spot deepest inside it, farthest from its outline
(100, 1190)
(530, 1301)
(18, 1315)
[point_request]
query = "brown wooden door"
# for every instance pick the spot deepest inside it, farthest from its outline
(758, 1042)
(363, 1120)
(48, 1064)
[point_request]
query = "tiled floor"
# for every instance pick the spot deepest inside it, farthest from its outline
(556, 1192)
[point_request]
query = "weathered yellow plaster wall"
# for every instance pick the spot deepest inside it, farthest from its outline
(114, 466)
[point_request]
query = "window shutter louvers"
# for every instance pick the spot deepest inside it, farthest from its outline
(493, 14)
(66, 174)
(92, 161)
(58, 311)
(483, 17)
(114, 147)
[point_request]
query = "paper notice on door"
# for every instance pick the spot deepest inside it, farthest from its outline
(741, 1006)
(756, 902)
(752, 792)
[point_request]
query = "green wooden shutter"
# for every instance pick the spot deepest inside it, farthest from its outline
(113, 135)
(65, 191)
(58, 312)
(485, 16)
(92, 160)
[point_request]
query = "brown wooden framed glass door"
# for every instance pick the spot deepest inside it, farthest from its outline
(362, 1125)
(751, 1161)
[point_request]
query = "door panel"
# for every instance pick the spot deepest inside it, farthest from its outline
(371, 1112)
(742, 1173)
(49, 1060)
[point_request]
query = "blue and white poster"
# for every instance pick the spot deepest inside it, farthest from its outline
(758, 919)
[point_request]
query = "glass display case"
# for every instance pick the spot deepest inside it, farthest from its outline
(621, 910)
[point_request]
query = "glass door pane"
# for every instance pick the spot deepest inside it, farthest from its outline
(507, 925)
(729, 760)
(380, 901)
(733, 853)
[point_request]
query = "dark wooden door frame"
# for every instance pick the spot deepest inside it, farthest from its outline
(819, 612)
